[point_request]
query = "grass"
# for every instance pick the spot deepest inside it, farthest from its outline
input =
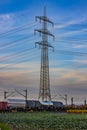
(45, 121)
(4, 127)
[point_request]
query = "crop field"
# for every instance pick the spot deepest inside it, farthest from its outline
(44, 121)
(4, 126)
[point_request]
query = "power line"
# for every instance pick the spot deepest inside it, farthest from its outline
(4, 58)
(15, 54)
(13, 42)
(70, 53)
(20, 54)
(73, 41)
(16, 29)
(22, 61)
(26, 50)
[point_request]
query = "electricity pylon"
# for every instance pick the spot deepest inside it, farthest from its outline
(44, 91)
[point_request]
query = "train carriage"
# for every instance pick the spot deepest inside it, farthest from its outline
(3, 105)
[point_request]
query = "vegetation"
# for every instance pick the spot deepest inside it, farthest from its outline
(44, 121)
(4, 127)
(77, 111)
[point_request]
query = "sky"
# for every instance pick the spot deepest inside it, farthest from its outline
(20, 60)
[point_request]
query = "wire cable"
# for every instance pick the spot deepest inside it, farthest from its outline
(16, 29)
(15, 54)
(13, 42)
(22, 61)
(70, 53)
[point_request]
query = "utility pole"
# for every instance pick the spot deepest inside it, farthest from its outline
(85, 102)
(44, 90)
(24, 95)
(5, 94)
(65, 99)
(8, 94)
(72, 101)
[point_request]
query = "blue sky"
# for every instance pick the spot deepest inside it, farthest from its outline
(20, 60)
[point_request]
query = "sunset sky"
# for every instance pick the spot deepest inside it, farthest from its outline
(20, 60)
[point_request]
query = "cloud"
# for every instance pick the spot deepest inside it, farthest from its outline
(10, 21)
(18, 79)
(76, 25)
(6, 22)
(63, 81)
(70, 23)
(80, 46)
(72, 82)
(69, 76)
(77, 61)
(82, 62)
(72, 33)
(24, 79)
(29, 75)
(26, 75)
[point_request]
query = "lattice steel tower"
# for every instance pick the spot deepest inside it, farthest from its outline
(44, 91)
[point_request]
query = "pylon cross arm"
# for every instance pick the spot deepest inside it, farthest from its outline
(44, 18)
(44, 32)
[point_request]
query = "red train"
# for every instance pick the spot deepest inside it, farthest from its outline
(3, 105)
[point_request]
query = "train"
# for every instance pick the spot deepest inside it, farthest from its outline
(30, 105)
(3, 105)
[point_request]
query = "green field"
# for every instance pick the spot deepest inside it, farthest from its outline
(4, 126)
(44, 121)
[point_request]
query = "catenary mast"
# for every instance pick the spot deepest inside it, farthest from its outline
(44, 90)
